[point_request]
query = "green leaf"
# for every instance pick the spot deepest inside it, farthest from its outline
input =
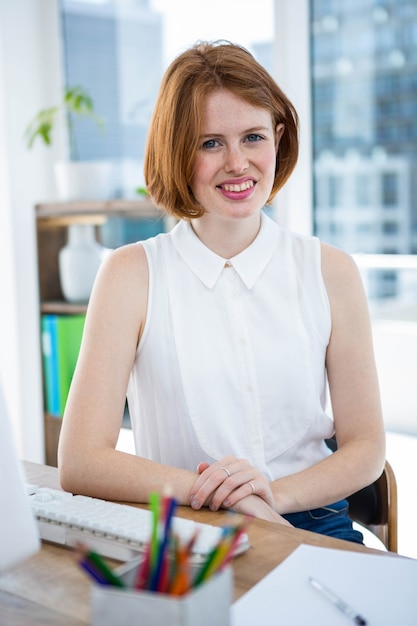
(41, 126)
(76, 101)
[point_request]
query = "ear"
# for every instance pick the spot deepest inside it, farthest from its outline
(279, 131)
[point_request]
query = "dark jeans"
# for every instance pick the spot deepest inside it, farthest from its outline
(332, 520)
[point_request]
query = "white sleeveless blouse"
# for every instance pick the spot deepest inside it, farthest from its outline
(232, 357)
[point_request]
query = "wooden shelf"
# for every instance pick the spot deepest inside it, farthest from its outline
(117, 207)
(52, 221)
(62, 307)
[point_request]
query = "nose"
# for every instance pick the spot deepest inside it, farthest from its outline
(236, 161)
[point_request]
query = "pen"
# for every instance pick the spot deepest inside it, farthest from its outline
(338, 602)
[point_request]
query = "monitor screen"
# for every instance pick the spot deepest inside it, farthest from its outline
(19, 536)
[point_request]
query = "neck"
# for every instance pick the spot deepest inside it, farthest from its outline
(227, 238)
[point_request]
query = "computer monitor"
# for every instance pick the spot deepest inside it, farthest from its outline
(19, 536)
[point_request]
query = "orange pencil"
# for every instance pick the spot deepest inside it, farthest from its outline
(181, 582)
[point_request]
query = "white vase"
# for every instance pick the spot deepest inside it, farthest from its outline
(84, 180)
(78, 262)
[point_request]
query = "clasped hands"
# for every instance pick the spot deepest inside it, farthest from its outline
(234, 483)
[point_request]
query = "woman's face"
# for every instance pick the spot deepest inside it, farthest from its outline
(235, 163)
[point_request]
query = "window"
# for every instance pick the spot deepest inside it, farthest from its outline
(389, 189)
(390, 228)
(118, 50)
(363, 190)
(364, 101)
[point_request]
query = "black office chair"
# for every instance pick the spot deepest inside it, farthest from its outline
(375, 507)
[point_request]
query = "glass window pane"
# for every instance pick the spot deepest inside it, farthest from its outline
(364, 94)
(118, 50)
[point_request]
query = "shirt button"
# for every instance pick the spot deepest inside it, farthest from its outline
(242, 341)
(256, 441)
(249, 387)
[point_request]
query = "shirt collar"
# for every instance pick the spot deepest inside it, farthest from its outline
(207, 265)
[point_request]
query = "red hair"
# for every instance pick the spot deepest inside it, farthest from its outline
(177, 120)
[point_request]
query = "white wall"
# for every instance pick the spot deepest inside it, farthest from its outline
(396, 357)
(30, 74)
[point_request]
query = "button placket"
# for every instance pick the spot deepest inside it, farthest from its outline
(249, 387)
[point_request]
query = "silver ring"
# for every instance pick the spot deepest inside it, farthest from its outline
(226, 470)
(252, 487)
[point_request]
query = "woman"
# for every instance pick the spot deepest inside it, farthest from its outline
(224, 332)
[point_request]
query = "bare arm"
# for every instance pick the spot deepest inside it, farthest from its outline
(356, 408)
(87, 459)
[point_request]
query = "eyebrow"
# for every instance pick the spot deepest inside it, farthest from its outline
(248, 131)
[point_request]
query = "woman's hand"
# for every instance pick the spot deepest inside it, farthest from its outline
(227, 482)
(256, 507)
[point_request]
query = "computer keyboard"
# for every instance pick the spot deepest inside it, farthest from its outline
(118, 531)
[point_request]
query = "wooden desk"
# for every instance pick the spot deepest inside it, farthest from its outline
(49, 589)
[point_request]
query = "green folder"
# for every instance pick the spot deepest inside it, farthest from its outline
(69, 331)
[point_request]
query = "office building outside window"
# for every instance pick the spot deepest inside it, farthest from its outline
(364, 94)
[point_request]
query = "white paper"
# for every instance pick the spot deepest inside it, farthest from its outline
(382, 589)
(18, 531)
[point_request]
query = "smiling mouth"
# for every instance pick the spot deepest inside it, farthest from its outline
(236, 188)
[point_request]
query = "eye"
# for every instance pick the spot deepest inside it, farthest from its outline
(210, 144)
(254, 137)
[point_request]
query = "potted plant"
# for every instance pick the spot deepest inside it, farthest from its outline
(75, 179)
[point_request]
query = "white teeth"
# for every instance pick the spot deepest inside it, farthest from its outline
(246, 185)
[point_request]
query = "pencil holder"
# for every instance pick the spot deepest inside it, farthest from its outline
(205, 605)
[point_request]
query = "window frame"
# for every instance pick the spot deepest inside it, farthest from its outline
(291, 70)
